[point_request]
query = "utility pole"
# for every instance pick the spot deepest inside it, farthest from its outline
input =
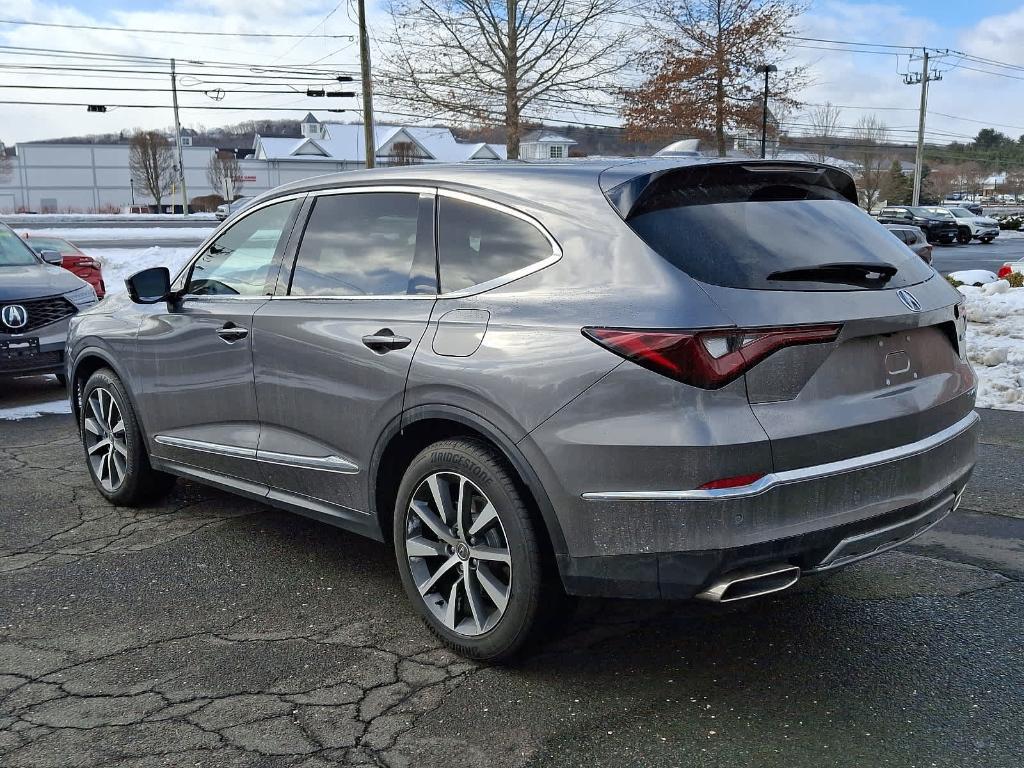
(767, 69)
(177, 141)
(923, 78)
(364, 63)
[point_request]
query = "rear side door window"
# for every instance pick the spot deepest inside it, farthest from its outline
(478, 244)
(366, 244)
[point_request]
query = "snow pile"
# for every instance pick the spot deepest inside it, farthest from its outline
(995, 343)
(19, 412)
(119, 263)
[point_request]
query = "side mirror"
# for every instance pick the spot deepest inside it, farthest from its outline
(51, 257)
(150, 286)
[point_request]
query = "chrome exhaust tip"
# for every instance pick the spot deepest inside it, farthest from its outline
(751, 582)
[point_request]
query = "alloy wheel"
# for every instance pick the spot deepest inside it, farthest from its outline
(105, 442)
(458, 553)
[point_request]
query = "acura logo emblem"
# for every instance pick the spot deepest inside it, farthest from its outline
(14, 316)
(909, 300)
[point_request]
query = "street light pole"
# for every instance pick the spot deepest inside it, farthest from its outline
(766, 69)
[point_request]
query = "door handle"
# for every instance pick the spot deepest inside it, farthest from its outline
(384, 340)
(232, 333)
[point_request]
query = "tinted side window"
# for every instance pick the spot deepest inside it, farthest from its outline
(239, 261)
(902, 235)
(361, 244)
(477, 244)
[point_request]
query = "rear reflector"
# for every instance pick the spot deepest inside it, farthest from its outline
(731, 482)
(706, 359)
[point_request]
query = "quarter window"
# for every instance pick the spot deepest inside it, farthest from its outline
(362, 244)
(238, 263)
(477, 244)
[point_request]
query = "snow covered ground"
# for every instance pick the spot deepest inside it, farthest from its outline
(35, 410)
(79, 235)
(119, 263)
(995, 343)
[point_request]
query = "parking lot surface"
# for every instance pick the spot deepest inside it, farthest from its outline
(991, 256)
(212, 631)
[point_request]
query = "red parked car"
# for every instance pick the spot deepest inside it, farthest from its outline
(72, 259)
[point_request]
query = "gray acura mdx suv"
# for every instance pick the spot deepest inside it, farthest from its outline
(37, 300)
(666, 378)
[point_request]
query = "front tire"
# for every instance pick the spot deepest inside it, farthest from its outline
(115, 452)
(963, 236)
(467, 550)
(986, 240)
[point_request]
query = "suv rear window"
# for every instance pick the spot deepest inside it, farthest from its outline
(768, 228)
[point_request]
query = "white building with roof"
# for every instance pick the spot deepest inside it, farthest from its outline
(544, 145)
(57, 178)
(393, 145)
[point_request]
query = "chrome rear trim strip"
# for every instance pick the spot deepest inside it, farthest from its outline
(796, 475)
(319, 463)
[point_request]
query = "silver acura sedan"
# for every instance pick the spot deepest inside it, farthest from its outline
(669, 378)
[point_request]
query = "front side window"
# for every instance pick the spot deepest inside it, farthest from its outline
(362, 244)
(477, 244)
(238, 262)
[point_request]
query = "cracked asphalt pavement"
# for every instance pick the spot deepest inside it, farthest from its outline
(212, 631)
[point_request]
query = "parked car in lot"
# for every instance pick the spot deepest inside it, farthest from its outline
(914, 238)
(37, 300)
(528, 382)
(938, 225)
(72, 259)
(957, 201)
(1010, 267)
(973, 227)
(224, 210)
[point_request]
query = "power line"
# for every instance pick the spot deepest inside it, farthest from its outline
(165, 106)
(170, 31)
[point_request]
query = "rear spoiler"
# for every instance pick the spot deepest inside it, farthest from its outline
(706, 183)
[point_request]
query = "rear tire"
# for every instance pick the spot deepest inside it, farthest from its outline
(963, 236)
(468, 551)
(115, 451)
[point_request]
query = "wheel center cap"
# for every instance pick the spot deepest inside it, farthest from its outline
(462, 550)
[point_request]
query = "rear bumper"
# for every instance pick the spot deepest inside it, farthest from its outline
(675, 543)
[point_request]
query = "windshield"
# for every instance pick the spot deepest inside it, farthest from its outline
(940, 213)
(49, 244)
(768, 235)
(961, 213)
(13, 251)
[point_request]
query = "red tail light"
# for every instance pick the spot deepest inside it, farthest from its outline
(706, 359)
(1004, 271)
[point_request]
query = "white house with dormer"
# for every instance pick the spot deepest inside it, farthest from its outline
(544, 145)
(393, 145)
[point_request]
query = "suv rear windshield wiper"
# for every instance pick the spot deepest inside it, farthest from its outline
(852, 272)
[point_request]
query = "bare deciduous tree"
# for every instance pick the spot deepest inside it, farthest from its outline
(700, 67)
(943, 179)
(823, 124)
(152, 163)
(490, 61)
(6, 166)
(871, 154)
(225, 175)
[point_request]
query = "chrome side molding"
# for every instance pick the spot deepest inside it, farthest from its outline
(796, 475)
(318, 463)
